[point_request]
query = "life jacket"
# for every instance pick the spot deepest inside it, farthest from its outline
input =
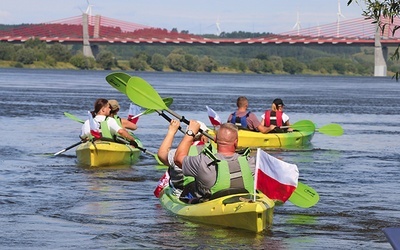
(196, 150)
(273, 117)
(105, 131)
(240, 122)
(236, 174)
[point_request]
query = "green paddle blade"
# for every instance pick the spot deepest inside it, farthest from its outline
(332, 129)
(118, 80)
(304, 125)
(167, 100)
(304, 196)
(72, 117)
(143, 94)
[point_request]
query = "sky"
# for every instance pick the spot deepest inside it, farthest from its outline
(198, 17)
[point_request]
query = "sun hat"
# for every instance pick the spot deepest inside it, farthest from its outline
(114, 104)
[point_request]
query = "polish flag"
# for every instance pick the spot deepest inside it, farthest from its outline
(214, 117)
(94, 127)
(134, 113)
(162, 183)
(275, 178)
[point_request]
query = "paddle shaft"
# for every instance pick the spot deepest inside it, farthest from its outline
(183, 119)
(68, 148)
(134, 143)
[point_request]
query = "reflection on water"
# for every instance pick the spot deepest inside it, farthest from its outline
(53, 203)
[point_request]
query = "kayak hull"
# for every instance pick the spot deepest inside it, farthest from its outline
(105, 153)
(234, 210)
(292, 140)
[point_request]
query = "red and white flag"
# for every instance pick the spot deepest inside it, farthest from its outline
(94, 127)
(214, 117)
(134, 113)
(162, 183)
(275, 178)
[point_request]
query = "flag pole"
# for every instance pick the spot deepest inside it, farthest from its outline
(256, 173)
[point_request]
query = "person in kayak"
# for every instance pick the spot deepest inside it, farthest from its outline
(214, 172)
(122, 122)
(166, 154)
(109, 127)
(275, 116)
(245, 119)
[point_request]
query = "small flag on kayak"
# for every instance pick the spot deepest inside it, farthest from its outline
(214, 117)
(162, 183)
(94, 127)
(134, 113)
(275, 178)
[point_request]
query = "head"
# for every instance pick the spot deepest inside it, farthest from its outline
(277, 104)
(242, 102)
(114, 105)
(227, 136)
(101, 107)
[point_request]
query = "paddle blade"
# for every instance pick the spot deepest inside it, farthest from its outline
(167, 100)
(143, 94)
(304, 125)
(304, 196)
(332, 129)
(118, 80)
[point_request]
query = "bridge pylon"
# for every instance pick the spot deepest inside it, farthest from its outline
(87, 50)
(380, 68)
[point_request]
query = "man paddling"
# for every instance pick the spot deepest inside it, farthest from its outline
(214, 172)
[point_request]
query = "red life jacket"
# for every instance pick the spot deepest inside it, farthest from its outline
(273, 114)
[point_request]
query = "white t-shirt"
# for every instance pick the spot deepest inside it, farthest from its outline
(111, 123)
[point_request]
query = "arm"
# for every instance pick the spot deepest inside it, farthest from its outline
(264, 129)
(128, 125)
(184, 146)
(167, 142)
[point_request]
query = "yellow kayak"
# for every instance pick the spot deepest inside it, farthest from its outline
(106, 153)
(233, 210)
(292, 140)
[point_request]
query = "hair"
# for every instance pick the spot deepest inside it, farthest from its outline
(274, 107)
(241, 101)
(98, 105)
(227, 133)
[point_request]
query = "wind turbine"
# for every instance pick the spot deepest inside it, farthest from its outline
(89, 8)
(339, 15)
(297, 25)
(218, 28)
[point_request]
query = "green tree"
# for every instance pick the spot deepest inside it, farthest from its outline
(256, 65)
(138, 64)
(82, 62)
(105, 59)
(26, 56)
(208, 64)
(59, 52)
(293, 66)
(176, 61)
(7, 51)
(157, 62)
(192, 63)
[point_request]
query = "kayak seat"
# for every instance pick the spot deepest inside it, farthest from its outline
(228, 191)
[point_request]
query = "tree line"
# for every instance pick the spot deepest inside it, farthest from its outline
(277, 59)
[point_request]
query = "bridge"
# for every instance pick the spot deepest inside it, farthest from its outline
(95, 30)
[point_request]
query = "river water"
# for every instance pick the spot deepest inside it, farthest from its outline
(50, 202)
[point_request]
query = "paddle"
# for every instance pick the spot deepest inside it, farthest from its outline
(143, 94)
(74, 118)
(67, 148)
(304, 196)
(136, 145)
(332, 129)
